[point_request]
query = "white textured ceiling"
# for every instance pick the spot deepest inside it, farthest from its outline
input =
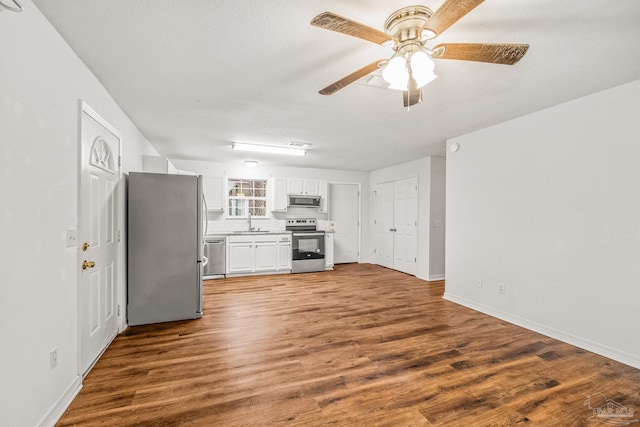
(196, 75)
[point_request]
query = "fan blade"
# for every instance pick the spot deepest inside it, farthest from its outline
(345, 81)
(412, 96)
(449, 13)
(333, 22)
(494, 53)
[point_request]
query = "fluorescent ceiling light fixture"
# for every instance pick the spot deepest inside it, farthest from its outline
(273, 149)
(296, 144)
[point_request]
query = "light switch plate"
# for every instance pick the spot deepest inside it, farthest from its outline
(72, 238)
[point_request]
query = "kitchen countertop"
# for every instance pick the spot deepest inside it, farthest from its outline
(246, 233)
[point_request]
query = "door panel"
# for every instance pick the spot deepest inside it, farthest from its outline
(345, 216)
(265, 256)
(405, 223)
(97, 227)
(396, 234)
(384, 225)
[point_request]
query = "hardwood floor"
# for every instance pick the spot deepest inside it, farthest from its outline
(360, 346)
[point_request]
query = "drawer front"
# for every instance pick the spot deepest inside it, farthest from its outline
(265, 238)
(240, 239)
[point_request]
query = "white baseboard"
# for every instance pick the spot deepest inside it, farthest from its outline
(585, 344)
(56, 411)
(431, 278)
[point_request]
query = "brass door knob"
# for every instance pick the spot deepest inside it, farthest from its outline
(88, 264)
(85, 246)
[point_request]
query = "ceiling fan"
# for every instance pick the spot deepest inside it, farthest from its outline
(408, 31)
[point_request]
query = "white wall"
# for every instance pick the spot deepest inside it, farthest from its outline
(422, 169)
(549, 205)
(41, 81)
(437, 225)
(218, 222)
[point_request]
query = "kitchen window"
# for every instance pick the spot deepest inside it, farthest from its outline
(247, 197)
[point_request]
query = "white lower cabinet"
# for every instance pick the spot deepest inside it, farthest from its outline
(265, 256)
(239, 254)
(284, 252)
(328, 251)
(248, 254)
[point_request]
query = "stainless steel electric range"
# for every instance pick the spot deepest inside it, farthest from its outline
(307, 250)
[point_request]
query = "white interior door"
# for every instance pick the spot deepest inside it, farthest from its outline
(384, 235)
(345, 219)
(97, 236)
(405, 217)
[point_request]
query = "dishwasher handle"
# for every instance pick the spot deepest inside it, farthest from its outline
(215, 241)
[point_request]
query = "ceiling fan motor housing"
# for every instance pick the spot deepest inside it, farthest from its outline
(405, 25)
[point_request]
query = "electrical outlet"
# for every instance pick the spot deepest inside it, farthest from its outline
(53, 358)
(478, 283)
(501, 288)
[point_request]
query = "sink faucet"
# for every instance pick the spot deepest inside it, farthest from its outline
(251, 228)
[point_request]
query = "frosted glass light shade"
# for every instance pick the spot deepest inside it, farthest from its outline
(396, 73)
(422, 68)
(273, 149)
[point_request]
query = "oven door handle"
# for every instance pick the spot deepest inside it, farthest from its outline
(307, 234)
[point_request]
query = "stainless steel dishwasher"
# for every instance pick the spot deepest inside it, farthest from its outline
(214, 249)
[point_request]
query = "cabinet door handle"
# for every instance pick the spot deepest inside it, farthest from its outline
(393, 229)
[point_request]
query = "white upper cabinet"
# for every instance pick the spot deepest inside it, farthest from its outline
(280, 200)
(306, 187)
(213, 193)
(324, 196)
(295, 186)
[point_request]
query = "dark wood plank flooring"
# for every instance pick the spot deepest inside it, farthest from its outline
(359, 346)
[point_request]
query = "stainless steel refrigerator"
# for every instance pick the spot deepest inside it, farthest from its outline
(164, 249)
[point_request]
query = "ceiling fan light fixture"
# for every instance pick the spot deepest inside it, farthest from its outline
(422, 68)
(396, 73)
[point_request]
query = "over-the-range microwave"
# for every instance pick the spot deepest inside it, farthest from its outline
(304, 201)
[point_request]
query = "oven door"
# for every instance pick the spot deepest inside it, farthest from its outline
(307, 245)
(307, 252)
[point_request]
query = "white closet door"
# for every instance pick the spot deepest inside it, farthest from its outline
(384, 234)
(405, 239)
